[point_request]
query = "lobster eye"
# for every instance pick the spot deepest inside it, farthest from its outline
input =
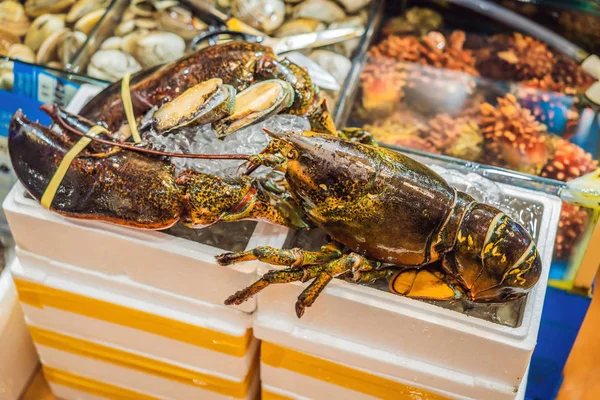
(292, 154)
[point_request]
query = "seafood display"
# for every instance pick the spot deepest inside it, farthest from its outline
(389, 217)
(45, 32)
(505, 100)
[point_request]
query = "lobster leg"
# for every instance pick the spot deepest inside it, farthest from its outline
(288, 257)
(349, 262)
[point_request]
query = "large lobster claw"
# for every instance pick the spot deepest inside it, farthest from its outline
(118, 186)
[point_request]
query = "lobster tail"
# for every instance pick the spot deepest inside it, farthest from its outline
(494, 257)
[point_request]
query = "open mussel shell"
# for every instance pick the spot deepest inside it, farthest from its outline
(258, 102)
(201, 104)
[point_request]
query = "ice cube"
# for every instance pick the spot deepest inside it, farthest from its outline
(203, 140)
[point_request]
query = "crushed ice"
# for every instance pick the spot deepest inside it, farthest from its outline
(203, 140)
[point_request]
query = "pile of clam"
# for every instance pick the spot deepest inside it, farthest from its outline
(150, 33)
(156, 32)
(281, 18)
(46, 32)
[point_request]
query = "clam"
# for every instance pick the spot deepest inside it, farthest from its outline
(336, 64)
(154, 48)
(21, 52)
(84, 7)
(256, 103)
(352, 6)
(264, 15)
(165, 4)
(70, 44)
(347, 47)
(299, 26)
(13, 18)
(142, 8)
(7, 39)
(125, 27)
(180, 21)
(201, 104)
(42, 27)
(48, 49)
(35, 8)
(111, 65)
(88, 21)
(112, 43)
(7, 76)
(324, 10)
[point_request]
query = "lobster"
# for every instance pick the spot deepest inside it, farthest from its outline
(387, 215)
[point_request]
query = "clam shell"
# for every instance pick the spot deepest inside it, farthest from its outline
(111, 65)
(7, 39)
(264, 15)
(21, 52)
(154, 48)
(347, 47)
(70, 44)
(336, 64)
(83, 7)
(125, 27)
(204, 103)
(35, 8)
(352, 6)
(180, 21)
(13, 18)
(165, 4)
(256, 103)
(142, 8)
(112, 43)
(299, 26)
(42, 27)
(7, 79)
(323, 10)
(88, 21)
(48, 49)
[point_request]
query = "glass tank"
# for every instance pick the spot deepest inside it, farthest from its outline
(443, 78)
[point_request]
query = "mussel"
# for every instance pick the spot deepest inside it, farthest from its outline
(203, 103)
(255, 104)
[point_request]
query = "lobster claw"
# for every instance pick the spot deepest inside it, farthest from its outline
(121, 187)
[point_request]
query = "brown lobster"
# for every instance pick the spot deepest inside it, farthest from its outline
(388, 216)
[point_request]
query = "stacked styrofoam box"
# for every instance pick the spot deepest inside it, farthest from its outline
(355, 335)
(18, 359)
(123, 312)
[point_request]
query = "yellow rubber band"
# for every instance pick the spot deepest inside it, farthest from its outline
(128, 105)
(62, 169)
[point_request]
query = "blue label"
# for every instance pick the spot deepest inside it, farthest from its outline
(38, 84)
(11, 102)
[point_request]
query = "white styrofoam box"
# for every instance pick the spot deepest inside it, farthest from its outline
(120, 293)
(178, 265)
(364, 358)
(152, 258)
(422, 331)
(18, 359)
(146, 383)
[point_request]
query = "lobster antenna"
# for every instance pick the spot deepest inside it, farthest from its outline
(62, 123)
